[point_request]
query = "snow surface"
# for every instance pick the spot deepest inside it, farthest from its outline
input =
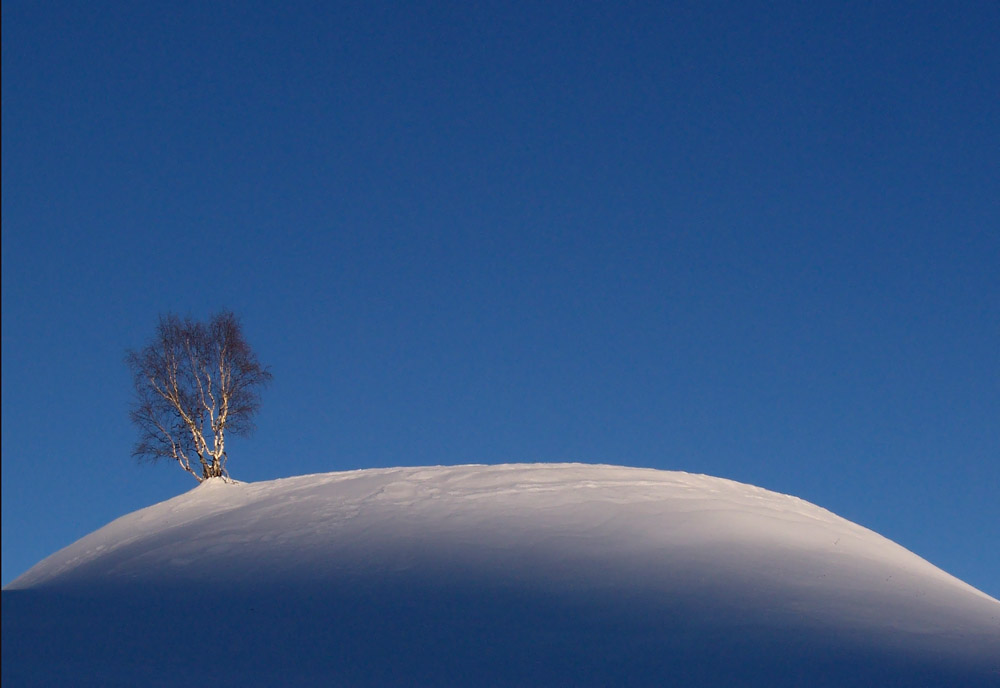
(525, 574)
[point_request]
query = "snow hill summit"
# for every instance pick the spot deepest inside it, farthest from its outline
(511, 575)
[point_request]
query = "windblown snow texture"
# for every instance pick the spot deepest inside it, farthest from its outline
(515, 575)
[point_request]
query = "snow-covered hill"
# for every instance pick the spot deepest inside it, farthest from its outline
(562, 574)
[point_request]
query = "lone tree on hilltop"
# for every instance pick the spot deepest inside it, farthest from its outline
(193, 383)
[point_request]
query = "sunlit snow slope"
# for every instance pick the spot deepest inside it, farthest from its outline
(561, 574)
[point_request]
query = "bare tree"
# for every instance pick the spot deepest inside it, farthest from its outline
(194, 383)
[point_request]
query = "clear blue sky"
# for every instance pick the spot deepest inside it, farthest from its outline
(755, 240)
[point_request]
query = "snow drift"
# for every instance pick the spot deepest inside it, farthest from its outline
(560, 574)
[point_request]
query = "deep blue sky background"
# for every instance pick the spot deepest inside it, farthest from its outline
(755, 240)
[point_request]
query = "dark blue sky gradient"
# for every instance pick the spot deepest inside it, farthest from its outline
(755, 240)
